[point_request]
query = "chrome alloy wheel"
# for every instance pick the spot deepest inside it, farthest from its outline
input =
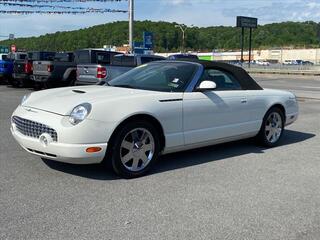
(137, 149)
(273, 128)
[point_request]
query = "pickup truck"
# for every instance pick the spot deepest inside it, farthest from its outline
(87, 71)
(23, 69)
(88, 74)
(7, 63)
(60, 71)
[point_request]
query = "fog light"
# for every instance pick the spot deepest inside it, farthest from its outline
(93, 149)
(45, 139)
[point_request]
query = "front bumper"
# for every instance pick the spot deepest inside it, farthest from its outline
(291, 118)
(68, 153)
(71, 144)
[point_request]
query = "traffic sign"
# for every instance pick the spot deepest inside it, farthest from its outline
(13, 48)
(247, 22)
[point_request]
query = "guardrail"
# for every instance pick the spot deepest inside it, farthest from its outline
(312, 70)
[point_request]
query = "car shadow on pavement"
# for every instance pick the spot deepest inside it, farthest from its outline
(91, 171)
(182, 159)
(223, 152)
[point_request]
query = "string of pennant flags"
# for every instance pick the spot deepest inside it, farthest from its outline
(20, 12)
(60, 1)
(58, 9)
(102, 10)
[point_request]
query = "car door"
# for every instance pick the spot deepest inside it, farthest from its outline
(218, 114)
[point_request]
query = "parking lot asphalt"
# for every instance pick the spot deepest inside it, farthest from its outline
(230, 191)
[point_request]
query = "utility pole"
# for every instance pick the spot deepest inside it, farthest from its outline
(131, 20)
(183, 30)
(250, 46)
(242, 44)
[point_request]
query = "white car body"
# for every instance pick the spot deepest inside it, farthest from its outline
(188, 119)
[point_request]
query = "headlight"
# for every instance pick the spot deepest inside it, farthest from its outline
(24, 99)
(79, 113)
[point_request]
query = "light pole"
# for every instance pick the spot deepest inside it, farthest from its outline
(183, 29)
(131, 19)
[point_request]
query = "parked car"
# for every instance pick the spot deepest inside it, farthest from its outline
(23, 69)
(182, 56)
(100, 73)
(60, 71)
(290, 62)
(261, 62)
(305, 63)
(157, 108)
(235, 62)
(11, 58)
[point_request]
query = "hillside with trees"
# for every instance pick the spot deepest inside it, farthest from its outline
(168, 37)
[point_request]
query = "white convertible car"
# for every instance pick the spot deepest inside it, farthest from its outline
(157, 108)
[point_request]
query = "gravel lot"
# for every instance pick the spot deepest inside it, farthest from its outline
(230, 191)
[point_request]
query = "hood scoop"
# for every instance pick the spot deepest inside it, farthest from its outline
(78, 91)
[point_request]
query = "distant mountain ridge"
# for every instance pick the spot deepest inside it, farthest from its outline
(168, 38)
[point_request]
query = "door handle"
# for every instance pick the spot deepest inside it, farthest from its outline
(244, 100)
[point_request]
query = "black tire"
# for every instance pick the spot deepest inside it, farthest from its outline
(49, 85)
(71, 82)
(262, 136)
(72, 79)
(37, 86)
(114, 154)
(18, 83)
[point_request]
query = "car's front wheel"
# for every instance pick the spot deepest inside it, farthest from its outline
(135, 149)
(272, 127)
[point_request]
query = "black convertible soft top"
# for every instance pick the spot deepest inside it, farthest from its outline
(246, 82)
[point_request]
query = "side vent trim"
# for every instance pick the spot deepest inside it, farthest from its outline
(171, 100)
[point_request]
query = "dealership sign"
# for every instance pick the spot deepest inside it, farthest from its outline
(4, 49)
(247, 22)
(148, 40)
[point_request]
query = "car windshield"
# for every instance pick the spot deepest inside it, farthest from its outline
(164, 77)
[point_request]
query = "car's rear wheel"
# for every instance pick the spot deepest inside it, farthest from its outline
(272, 127)
(135, 149)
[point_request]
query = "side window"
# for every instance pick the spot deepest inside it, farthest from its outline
(83, 57)
(128, 61)
(224, 80)
(63, 57)
(103, 58)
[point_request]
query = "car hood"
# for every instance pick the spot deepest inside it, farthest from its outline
(63, 100)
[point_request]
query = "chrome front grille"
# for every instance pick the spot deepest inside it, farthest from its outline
(33, 129)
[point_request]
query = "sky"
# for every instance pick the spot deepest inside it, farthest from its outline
(200, 13)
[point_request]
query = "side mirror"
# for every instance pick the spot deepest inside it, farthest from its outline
(207, 85)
